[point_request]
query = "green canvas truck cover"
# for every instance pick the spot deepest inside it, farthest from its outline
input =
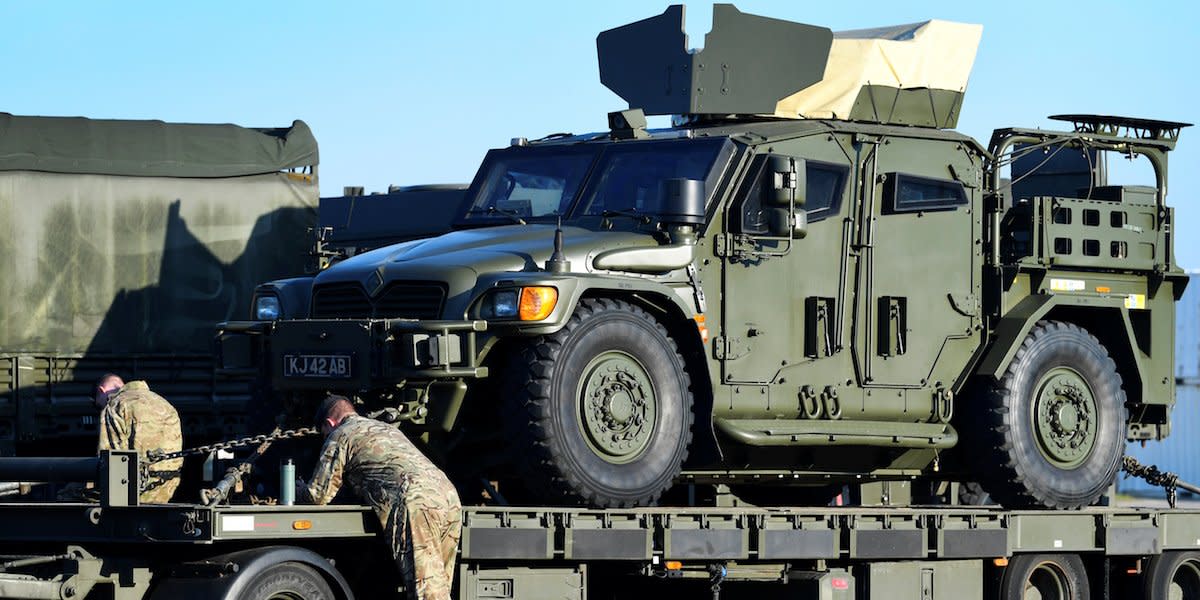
(130, 237)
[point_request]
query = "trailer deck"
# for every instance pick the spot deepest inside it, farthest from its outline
(63, 550)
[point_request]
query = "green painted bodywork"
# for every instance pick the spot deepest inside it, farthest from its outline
(838, 349)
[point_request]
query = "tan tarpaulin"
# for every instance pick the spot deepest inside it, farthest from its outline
(117, 264)
(934, 54)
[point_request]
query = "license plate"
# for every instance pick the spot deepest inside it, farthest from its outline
(328, 366)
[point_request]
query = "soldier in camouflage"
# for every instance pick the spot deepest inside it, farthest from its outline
(415, 502)
(134, 418)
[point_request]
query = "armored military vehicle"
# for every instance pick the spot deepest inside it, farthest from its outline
(808, 279)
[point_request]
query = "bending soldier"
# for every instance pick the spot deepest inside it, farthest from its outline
(134, 418)
(415, 502)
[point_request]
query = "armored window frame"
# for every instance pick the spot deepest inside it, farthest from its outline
(817, 208)
(833, 200)
(720, 149)
(481, 184)
(898, 201)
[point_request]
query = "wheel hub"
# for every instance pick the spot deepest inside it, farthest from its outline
(617, 407)
(1065, 418)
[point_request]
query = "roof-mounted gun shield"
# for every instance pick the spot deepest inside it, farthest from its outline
(747, 65)
(912, 74)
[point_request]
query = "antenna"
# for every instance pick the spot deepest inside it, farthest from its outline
(558, 263)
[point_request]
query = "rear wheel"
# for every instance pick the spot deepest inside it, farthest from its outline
(601, 411)
(1045, 577)
(288, 581)
(1173, 576)
(1055, 422)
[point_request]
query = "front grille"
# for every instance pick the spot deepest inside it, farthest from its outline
(401, 300)
(408, 300)
(341, 301)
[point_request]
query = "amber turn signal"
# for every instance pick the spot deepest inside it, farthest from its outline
(537, 303)
(302, 525)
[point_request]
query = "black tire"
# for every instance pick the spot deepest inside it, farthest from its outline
(1045, 576)
(619, 362)
(1173, 575)
(288, 581)
(1054, 425)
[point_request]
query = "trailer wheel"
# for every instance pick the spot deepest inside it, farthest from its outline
(601, 411)
(1055, 422)
(1044, 577)
(288, 581)
(1173, 576)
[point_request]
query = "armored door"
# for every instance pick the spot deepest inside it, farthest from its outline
(918, 281)
(780, 291)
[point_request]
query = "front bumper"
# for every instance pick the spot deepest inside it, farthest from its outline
(372, 353)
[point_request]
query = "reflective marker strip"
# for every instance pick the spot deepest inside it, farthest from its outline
(1135, 301)
(1067, 285)
(237, 522)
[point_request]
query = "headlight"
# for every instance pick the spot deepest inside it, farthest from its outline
(502, 305)
(266, 308)
(526, 304)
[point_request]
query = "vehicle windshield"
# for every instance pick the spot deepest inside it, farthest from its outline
(629, 178)
(530, 186)
(588, 180)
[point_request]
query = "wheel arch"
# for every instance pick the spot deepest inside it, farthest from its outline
(1095, 315)
(249, 564)
(692, 341)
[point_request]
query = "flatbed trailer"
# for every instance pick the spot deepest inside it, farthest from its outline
(119, 549)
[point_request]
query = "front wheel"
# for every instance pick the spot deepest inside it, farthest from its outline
(601, 411)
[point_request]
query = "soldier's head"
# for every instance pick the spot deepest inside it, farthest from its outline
(332, 411)
(106, 386)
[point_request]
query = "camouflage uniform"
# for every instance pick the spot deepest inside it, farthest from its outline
(136, 418)
(415, 502)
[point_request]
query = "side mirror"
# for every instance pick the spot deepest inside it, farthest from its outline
(787, 183)
(682, 202)
(785, 194)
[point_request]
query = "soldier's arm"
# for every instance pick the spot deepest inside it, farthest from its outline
(114, 429)
(327, 477)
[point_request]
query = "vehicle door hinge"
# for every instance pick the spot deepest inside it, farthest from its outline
(721, 245)
(729, 348)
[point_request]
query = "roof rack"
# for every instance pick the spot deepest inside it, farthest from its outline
(1130, 127)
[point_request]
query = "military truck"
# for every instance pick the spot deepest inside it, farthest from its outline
(121, 243)
(808, 279)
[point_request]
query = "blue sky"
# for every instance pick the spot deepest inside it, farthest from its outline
(408, 93)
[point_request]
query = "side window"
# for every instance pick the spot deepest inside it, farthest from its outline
(754, 217)
(909, 193)
(825, 185)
